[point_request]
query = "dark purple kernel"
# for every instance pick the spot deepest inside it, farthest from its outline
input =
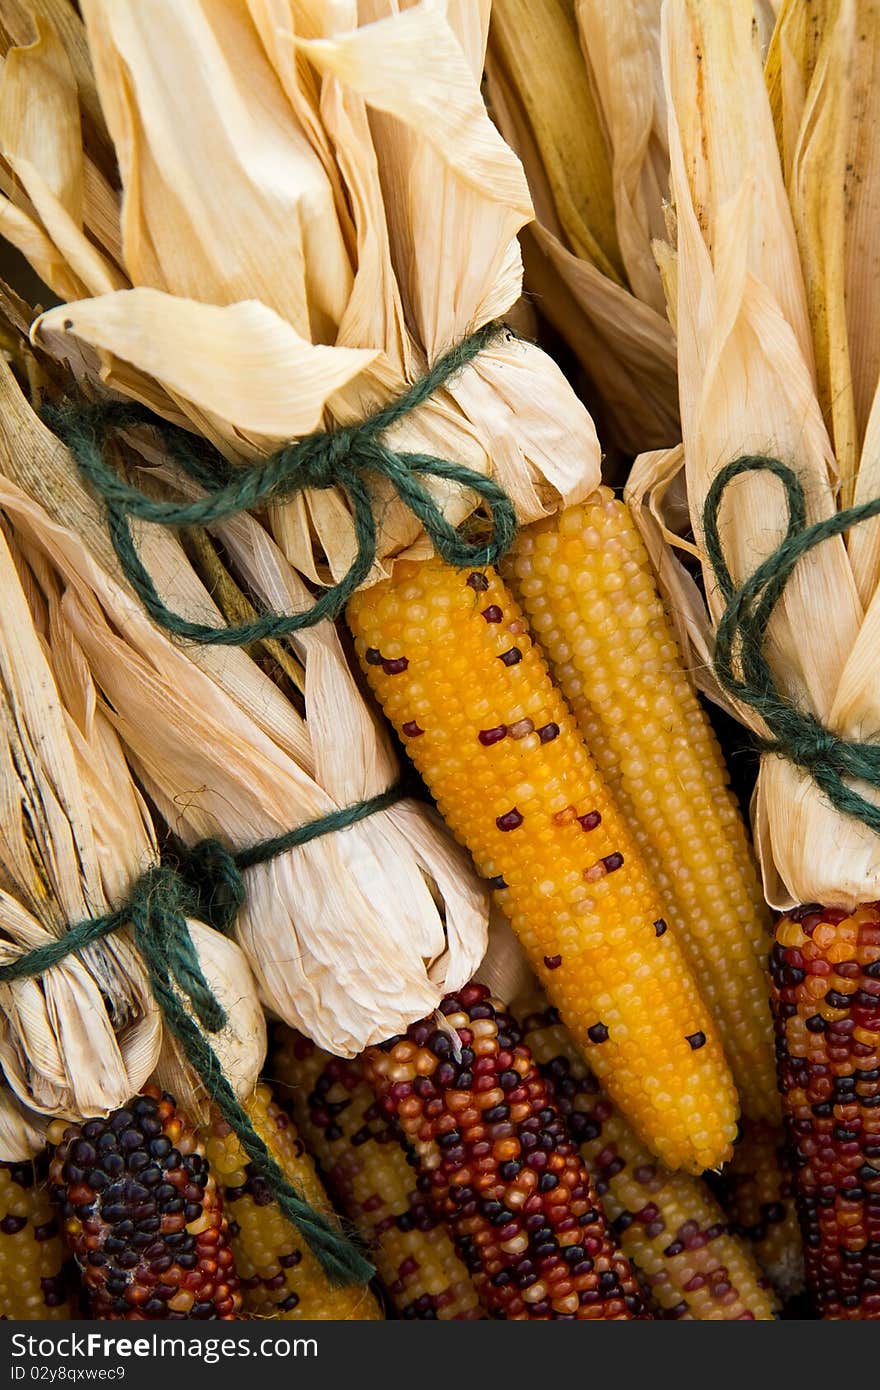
(395, 666)
(492, 614)
(695, 1040)
(478, 582)
(511, 657)
(590, 820)
(553, 962)
(612, 862)
(598, 1033)
(411, 729)
(373, 657)
(660, 927)
(511, 820)
(11, 1225)
(498, 883)
(489, 736)
(548, 732)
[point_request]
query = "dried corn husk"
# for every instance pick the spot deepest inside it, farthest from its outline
(759, 314)
(575, 88)
(353, 936)
(301, 238)
(75, 834)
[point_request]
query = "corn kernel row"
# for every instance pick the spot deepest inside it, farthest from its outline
(450, 657)
(280, 1277)
(826, 977)
(142, 1215)
(668, 1224)
(34, 1278)
(497, 1161)
(365, 1167)
(585, 582)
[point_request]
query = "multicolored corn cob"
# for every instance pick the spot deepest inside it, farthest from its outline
(668, 1224)
(449, 656)
(826, 978)
(497, 1161)
(279, 1276)
(34, 1281)
(585, 582)
(756, 1191)
(142, 1215)
(367, 1170)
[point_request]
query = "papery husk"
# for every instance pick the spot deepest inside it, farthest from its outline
(608, 121)
(81, 1039)
(748, 385)
(344, 933)
(394, 234)
(353, 936)
(62, 1050)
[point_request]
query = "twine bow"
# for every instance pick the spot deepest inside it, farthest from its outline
(208, 884)
(739, 661)
(343, 458)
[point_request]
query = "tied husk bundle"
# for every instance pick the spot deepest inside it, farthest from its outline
(314, 206)
(75, 834)
(776, 191)
(352, 936)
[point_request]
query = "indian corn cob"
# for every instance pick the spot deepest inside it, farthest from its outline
(450, 657)
(668, 1224)
(757, 1193)
(826, 978)
(498, 1163)
(34, 1280)
(585, 582)
(279, 1276)
(142, 1215)
(368, 1173)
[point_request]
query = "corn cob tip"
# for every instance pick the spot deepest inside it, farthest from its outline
(143, 1217)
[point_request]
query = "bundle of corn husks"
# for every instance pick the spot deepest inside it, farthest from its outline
(285, 221)
(363, 261)
(775, 187)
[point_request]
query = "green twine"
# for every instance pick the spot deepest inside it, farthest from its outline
(208, 885)
(343, 458)
(795, 734)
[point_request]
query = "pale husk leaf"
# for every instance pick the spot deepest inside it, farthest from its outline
(352, 936)
(747, 385)
(412, 197)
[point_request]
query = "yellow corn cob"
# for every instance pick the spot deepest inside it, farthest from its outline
(280, 1278)
(585, 582)
(450, 657)
(757, 1193)
(366, 1169)
(33, 1276)
(668, 1224)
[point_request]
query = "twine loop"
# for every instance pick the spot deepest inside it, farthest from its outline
(207, 884)
(739, 660)
(347, 458)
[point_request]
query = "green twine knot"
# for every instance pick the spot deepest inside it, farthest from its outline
(208, 885)
(345, 458)
(739, 661)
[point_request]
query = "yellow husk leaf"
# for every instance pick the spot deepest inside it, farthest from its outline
(81, 1039)
(331, 203)
(353, 936)
(747, 385)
